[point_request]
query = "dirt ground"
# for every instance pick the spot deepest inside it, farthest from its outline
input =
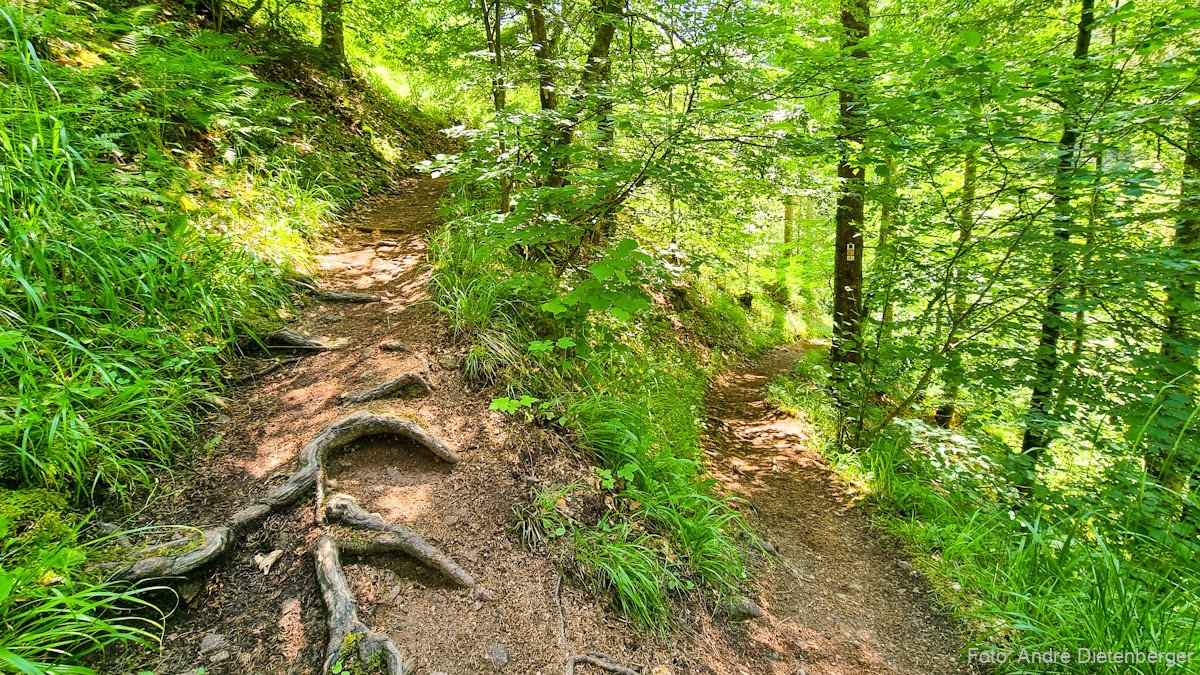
(836, 600)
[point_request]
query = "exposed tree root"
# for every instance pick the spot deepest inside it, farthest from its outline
(601, 661)
(218, 541)
(389, 389)
(312, 286)
(349, 638)
(353, 297)
(344, 509)
(286, 337)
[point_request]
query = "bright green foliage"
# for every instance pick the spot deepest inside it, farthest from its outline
(53, 610)
(629, 392)
(153, 188)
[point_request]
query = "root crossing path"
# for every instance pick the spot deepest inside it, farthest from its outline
(355, 501)
(837, 600)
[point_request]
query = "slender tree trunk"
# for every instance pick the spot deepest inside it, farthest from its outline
(595, 69)
(1046, 356)
(887, 231)
(543, 52)
(333, 31)
(1177, 470)
(952, 375)
(491, 16)
(846, 350)
(789, 220)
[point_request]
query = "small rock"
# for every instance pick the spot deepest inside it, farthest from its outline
(482, 594)
(334, 318)
(743, 609)
(472, 555)
(451, 521)
(222, 419)
(191, 590)
(219, 657)
(498, 656)
(378, 489)
(905, 565)
(331, 483)
(448, 362)
(212, 642)
(662, 670)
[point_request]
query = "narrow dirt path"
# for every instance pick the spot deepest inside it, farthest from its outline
(838, 601)
(259, 609)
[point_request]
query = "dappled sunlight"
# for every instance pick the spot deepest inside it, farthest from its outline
(292, 636)
(403, 504)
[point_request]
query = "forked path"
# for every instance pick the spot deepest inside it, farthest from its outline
(327, 465)
(838, 601)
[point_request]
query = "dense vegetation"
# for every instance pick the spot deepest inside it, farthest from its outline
(996, 204)
(156, 186)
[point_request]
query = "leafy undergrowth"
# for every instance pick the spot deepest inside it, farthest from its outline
(596, 357)
(1078, 573)
(155, 189)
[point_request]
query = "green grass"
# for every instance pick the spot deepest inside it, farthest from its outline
(154, 190)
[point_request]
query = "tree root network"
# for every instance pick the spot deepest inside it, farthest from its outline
(349, 638)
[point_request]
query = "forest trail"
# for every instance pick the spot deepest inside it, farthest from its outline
(850, 610)
(244, 621)
(838, 601)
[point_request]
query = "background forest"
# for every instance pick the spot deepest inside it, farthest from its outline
(984, 215)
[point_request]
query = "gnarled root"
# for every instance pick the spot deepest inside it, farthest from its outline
(352, 297)
(601, 661)
(220, 540)
(344, 509)
(390, 388)
(349, 637)
(286, 337)
(311, 285)
(217, 542)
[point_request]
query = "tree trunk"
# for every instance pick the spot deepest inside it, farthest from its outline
(789, 219)
(887, 230)
(847, 276)
(543, 52)
(491, 15)
(595, 70)
(1175, 470)
(1046, 356)
(333, 32)
(952, 375)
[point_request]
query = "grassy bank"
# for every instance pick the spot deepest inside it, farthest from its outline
(155, 188)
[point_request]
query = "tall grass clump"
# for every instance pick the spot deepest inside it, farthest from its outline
(127, 272)
(53, 612)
